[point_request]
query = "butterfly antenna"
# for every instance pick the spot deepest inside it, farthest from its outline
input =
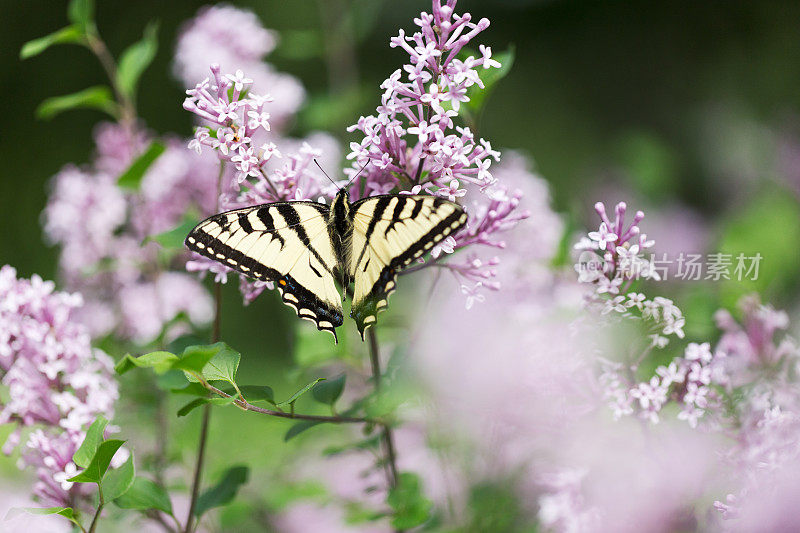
(323, 171)
(357, 174)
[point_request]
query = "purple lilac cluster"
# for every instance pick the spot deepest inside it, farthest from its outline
(761, 364)
(689, 380)
(439, 161)
(563, 507)
(611, 261)
(414, 145)
(221, 100)
(103, 232)
(103, 228)
(236, 118)
(235, 39)
(57, 383)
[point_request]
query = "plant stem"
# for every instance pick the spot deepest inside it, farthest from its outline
(244, 404)
(390, 457)
(100, 50)
(100, 505)
(198, 469)
(215, 332)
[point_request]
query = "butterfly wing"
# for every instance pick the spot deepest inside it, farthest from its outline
(286, 243)
(389, 232)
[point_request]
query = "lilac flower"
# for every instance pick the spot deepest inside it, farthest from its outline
(56, 382)
(236, 39)
(611, 261)
(231, 135)
(412, 142)
(452, 162)
(103, 229)
(563, 506)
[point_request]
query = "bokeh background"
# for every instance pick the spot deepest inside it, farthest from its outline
(688, 110)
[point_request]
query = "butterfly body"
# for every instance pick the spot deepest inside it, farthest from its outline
(306, 247)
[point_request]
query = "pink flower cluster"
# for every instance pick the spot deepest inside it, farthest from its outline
(413, 143)
(235, 39)
(610, 261)
(415, 112)
(239, 117)
(761, 365)
(57, 384)
(103, 228)
(688, 380)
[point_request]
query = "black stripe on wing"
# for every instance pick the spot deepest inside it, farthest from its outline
(365, 313)
(303, 301)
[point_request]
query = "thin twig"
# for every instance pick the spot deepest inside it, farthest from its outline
(100, 506)
(100, 50)
(247, 406)
(386, 432)
(198, 469)
(215, 332)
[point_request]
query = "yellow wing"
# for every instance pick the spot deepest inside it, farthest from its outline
(284, 242)
(389, 232)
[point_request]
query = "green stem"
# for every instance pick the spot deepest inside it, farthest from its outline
(198, 469)
(244, 404)
(390, 456)
(215, 333)
(100, 50)
(100, 505)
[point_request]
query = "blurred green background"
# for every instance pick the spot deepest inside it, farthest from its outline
(637, 93)
(690, 110)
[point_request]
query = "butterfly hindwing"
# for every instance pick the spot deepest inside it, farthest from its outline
(286, 243)
(389, 232)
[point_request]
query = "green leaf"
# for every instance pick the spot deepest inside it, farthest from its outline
(195, 358)
(70, 34)
(173, 239)
(119, 480)
(298, 428)
(256, 393)
(94, 436)
(99, 465)
(191, 389)
(136, 58)
(194, 404)
(97, 97)
(191, 406)
(172, 380)
(132, 177)
(158, 361)
(329, 391)
(299, 393)
(145, 494)
(224, 364)
(409, 504)
(81, 13)
(66, 512)
(224, 491)
(489, 77)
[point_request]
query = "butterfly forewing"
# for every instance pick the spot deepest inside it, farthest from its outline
(389, 232)
(286, 243)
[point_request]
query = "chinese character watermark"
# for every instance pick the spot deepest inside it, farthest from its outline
(715, 266)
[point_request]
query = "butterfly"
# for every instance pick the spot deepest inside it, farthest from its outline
(305, 248)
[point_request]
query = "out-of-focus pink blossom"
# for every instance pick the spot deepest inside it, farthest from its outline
(103, 230)
(235, 39)
(56, 382)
